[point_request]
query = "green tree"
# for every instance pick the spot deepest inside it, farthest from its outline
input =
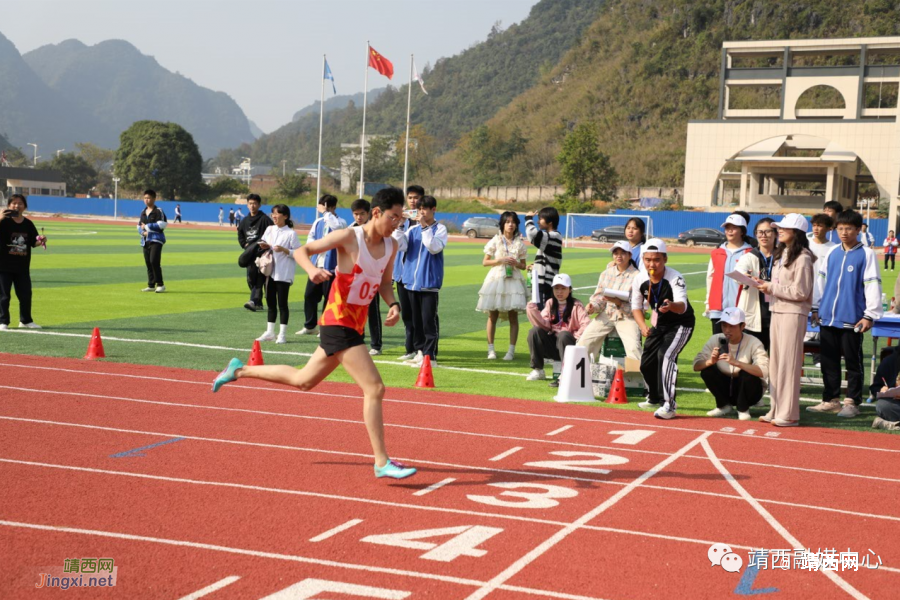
(490, 152)
(292, 185)
(382, 162)
(228, 185)
(101, 159)
(585, 167)
(162, 156)
(78, 174)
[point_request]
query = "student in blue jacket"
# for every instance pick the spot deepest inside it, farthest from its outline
(846, 301)
(317, 292)
(423, 274)
(152, 226)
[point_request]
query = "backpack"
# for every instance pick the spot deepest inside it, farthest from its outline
(265, 262)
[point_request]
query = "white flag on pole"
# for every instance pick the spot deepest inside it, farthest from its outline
(416, 77)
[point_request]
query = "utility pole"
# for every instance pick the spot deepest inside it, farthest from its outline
(35, 153)
(283, 162)
(58, 152)
(116, 199)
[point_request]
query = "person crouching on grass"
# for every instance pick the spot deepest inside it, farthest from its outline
(733, 366)
(364, 269)
(556, 327)
(671, 326)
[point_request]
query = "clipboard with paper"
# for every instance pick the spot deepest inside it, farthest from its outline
(742, 279)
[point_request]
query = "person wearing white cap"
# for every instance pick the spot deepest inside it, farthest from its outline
(672, 325)
(722, 292)
(733, 366)
(614, 313)
(791, 292)
(556, 327)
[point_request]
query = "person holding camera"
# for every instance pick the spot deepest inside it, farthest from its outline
(18, 236)
(733, 366)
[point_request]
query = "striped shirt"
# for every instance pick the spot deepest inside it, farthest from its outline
(548, 259)
(612, 279)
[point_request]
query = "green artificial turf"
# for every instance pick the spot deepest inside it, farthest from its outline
(91, 276)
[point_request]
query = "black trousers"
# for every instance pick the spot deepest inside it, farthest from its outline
(545, 345)
(406, 315)
(426, 327)
(22, 283)
(177, 219)
(256, 281)
(837, 342)
(315, 292)
(716, 326)
(890, 257)
(545, 292)
(742, 391)
(659, 362)
(153, 260)
(375, 323)
(277, 300)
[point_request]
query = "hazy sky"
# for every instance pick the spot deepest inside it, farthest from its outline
(267, 54)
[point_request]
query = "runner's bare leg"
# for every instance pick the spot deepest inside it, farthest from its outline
(359, 366)
(318, 368)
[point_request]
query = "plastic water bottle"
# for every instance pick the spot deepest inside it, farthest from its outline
(509, 271)
(884, 302)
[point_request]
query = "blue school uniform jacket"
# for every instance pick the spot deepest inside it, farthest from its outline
(321, 227)
(423, 269)
(847, 287)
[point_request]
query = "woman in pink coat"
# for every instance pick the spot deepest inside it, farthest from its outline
(556, 327)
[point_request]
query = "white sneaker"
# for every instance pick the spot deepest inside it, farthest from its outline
(160, 289)
(281, 339)
(719, 412)
(647, 404)
(149, 289)
(492, 355)
(536, 375)
(406, 357)
(849, 410)
(509, 355)
(744, 416)
(3, 326)
(662, 413)
(306, 331)
(374, 352)
(31, 325)
(266, 337)
(415, 360)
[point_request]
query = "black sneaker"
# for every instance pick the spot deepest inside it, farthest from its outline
(250, 306)
(554, 383)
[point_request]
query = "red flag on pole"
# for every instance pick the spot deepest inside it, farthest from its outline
(380, 63)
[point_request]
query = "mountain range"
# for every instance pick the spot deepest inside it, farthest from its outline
(60, 94)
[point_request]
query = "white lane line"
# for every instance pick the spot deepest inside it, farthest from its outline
(211, 588)
(773, 522)
(503, 455)
(434, 486)
(666, 427)
(336, 530)
(241, 551)
(560, 430)
(562, 534)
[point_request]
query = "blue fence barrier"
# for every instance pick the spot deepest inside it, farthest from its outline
(666, 224)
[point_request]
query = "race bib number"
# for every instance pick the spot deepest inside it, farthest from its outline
(363, 289)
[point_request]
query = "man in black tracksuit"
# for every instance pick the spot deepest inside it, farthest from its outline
(250, 231)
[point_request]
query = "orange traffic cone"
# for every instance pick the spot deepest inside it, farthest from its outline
(256, 357)
(617, 393)
(95, 347)
(426, 378)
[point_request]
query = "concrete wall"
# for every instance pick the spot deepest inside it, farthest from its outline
(546, 193)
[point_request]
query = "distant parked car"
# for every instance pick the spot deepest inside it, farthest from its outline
(475, 227)
(701, 235)
(613, 233)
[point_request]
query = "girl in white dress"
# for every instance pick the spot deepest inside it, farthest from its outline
(503, 293)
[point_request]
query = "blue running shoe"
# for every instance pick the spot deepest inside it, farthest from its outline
(394, 470)
(227, 376)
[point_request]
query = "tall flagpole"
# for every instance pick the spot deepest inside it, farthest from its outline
(406, 142)
(362, 141)
(321, 116)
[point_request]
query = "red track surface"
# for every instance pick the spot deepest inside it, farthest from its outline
(263, 471)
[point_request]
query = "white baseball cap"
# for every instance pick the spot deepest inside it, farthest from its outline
(735, 220)
(621, 245)
(793, 221)
(562, 279)
(655, 245)
(732, 316)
